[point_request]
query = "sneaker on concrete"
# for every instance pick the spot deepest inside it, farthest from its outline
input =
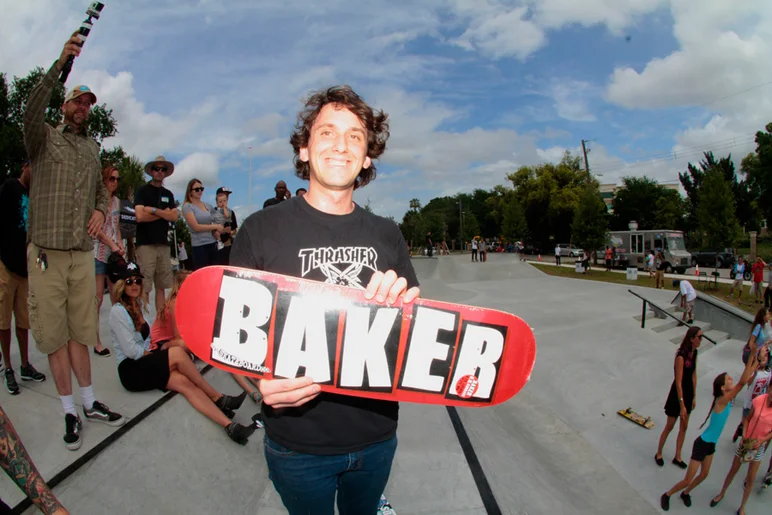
(238, 433)
(230, 402)
(101, 413)
(384, 508)
(10, 382)
(72, 425)
(29, 373)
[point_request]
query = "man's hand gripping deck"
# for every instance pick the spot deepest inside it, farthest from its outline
(268, 326)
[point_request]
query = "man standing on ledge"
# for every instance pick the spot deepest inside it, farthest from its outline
(67, 205)
(316, 443)
(282, 194)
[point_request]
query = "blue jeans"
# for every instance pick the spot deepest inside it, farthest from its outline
(307, 483)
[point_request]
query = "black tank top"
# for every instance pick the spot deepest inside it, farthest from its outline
(144, 331)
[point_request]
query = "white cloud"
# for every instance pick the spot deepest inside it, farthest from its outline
(571, 100)
(614, 14)
(498, 31)
(200, 165)
(718, 65)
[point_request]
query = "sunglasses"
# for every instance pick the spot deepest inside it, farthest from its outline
(199, 189)
(134, 280)
(114, 179)
(159, 168)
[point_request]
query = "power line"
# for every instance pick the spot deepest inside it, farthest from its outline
(675, 155)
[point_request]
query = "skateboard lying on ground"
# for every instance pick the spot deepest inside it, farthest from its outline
(268, 326)
(629, 414)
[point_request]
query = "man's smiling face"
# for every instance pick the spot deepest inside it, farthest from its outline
(337, 148)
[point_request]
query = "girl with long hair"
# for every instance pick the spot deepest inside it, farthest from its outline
(724, 392)
(681, 401)
(108, 240)
(759, 333)
(204, 233)
(140, 369)
(164, 333)
(757, 432)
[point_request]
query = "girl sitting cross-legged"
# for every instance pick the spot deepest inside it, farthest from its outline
(140, 369)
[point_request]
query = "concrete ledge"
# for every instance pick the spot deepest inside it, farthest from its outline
(722, 315)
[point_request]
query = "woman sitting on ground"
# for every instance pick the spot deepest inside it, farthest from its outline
(140, 369)
(164, 333)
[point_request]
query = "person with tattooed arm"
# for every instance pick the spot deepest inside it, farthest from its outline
(19, 467)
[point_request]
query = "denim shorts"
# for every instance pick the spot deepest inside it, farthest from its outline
(101, 268)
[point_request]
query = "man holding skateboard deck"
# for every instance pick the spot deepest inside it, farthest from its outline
(319, 444)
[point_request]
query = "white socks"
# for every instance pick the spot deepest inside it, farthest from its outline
(87, 395)
(68, 404)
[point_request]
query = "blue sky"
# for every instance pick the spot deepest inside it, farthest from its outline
(474, 88)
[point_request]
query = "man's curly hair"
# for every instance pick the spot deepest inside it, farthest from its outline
(375, 123)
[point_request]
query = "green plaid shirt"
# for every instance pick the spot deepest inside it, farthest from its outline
(66, 184)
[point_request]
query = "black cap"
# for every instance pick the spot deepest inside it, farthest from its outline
(130, 270)
(223, 189)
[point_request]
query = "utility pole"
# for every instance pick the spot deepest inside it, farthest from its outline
(250, 179)
(586, 165)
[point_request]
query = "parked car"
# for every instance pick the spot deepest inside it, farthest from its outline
(569, 250)
(714, 258)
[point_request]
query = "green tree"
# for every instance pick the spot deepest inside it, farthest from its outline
(758, 171)
(717, 224)
(746, 205)
(648, 203)
(590, 225)
(549, 194)
(514, 225)
(670, 210)
(100, 124)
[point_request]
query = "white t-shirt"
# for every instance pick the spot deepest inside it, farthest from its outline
(687, 291)
(474, 244)
(557, 251)
(759, 386)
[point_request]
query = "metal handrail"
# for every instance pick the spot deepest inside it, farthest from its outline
(643, 315)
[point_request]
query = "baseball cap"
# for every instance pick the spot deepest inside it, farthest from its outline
(223, 189)
(78, 91)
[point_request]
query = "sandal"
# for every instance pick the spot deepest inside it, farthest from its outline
(714, 502)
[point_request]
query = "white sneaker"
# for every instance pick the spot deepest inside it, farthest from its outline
(384, 508)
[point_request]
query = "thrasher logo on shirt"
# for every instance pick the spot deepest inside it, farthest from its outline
(340, 265)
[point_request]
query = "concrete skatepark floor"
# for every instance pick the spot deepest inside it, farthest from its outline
(557, 447)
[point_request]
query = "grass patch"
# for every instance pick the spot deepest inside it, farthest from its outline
(600, 274)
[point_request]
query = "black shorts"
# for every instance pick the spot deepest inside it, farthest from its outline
(702, 449)
(149, 372)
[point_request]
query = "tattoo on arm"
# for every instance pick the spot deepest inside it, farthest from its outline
(19, 467)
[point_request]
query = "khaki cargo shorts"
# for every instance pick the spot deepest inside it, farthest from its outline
(155, 263)
(62, 299)
(13, 299)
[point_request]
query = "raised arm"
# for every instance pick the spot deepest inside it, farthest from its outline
(748, 375)
(20, 468)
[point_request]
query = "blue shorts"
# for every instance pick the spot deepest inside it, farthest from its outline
(101, 268)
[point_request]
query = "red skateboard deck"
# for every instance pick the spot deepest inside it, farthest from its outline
(268, 326)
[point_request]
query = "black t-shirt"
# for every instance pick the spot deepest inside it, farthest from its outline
(297, 240)
(155, 232)
(14, 200)
(273, 202)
